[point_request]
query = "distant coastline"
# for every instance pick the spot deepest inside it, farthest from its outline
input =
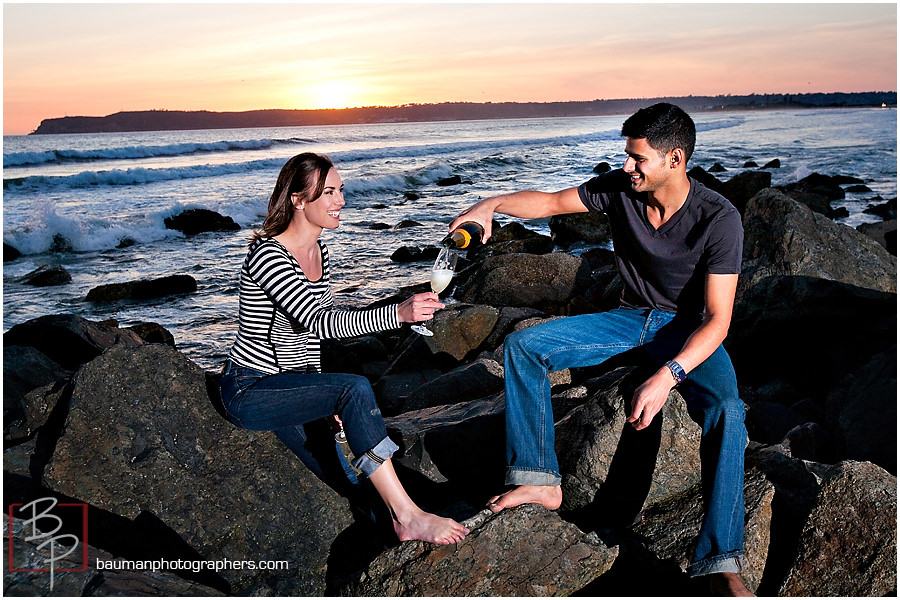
(174, 120)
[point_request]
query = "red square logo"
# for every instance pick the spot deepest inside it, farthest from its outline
(48, 526)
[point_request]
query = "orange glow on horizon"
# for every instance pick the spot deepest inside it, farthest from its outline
(98, 59)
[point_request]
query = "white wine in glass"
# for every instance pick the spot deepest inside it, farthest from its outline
(441, 274)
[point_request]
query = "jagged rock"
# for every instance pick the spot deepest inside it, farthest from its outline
(24, 369)
(144, 289)
(743, 186)
(670, 527)
(817, 192)
(200, 220)
(478, 379)
(610, 467)
(448, 181)
(769, 422)
(848, 547)
(69, 340)
(773, 164)
(546, 282)
(141, 425)
(462, 442)
(590, 227)
(153, 333)
(460, 329)
(75, 579)
(783, 237)
(511, 238)
(497, 558)
(47, 275)
(886, 210)
(10, 253)
(785, 329)
(601, 168)
(863, 411)
(405, 224)
(406, 254)
(885, 233)
(717, 168)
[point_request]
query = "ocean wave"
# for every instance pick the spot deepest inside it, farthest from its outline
(725, 123)
(140, 175)
(30, 159)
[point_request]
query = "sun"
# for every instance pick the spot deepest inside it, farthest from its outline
(337, 93)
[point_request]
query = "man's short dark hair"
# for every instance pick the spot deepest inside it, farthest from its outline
(665, 126)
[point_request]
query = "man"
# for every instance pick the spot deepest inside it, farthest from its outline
(678, 249)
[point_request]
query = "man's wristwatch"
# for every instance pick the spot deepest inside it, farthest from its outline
(676, 370)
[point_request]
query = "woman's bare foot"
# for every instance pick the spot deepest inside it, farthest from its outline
(728, 584)
(421, 525)
(548, 496)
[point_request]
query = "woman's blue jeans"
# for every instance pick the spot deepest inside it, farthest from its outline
(710, 392)
(285, 402)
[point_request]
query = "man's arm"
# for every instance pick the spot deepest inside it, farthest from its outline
(526, 204)
(652, 394)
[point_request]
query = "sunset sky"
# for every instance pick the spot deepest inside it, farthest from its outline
(93, 60)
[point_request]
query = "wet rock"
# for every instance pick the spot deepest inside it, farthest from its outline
(885, 233)
(406, 254)
(153, 333)
(817, 192)
(68, 340)
(886, 210)
(783, 237)
(448, 181)
(773, 164)
(47, 275)
(10, 253)
(591, 228)
(144, 289)
(496, 559)
(510, 239)
(405, 224)
(200, 220)
(848, 547)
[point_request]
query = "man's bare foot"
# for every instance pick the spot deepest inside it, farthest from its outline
(728, 584)
(427, 527)
(548, 496)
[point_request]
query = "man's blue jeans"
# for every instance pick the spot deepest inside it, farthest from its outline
(710, 392)
(285, 402)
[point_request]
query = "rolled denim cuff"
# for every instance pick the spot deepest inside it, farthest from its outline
(520, 476)
(369, 462)
(731, 562)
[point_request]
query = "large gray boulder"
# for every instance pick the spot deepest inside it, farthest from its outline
(142, 441)
(784, 237)
(546, 282)
(523, 551)
(616, 470)
(670, 526)
(848, 547)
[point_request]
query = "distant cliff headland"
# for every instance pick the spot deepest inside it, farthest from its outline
(171, 120)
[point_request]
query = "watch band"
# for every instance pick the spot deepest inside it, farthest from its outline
(676, 370)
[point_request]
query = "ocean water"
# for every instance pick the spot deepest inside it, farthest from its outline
(89, 192)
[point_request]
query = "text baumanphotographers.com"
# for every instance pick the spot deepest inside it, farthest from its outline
(189, 565)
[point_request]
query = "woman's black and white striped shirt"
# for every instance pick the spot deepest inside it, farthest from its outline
(283, 315)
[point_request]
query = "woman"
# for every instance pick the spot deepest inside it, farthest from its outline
(273, 379)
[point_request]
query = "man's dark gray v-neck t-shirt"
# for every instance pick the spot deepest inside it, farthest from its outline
(666, 268)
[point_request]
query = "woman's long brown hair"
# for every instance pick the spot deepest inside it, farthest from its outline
(303, 174)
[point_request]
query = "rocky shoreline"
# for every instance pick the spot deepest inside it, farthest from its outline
(119, 421)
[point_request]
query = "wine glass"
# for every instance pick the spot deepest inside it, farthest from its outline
(441, 274)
